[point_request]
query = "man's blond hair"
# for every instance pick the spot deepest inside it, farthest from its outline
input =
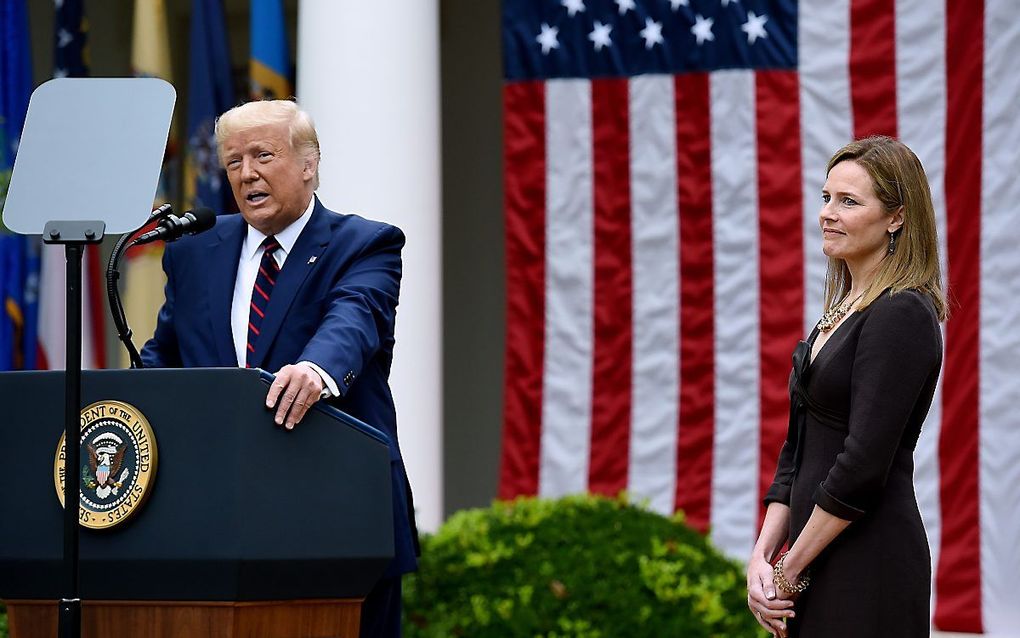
(303, 138)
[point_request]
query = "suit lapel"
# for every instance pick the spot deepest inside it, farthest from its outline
(224, 252)
(310, 243)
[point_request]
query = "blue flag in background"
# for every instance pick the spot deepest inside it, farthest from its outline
(12, 279)
(17, 336)
(211, 91)
(71, 37)
(270, 52)
(15, 78)
(7, 328)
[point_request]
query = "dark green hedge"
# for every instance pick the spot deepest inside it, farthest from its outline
(584, 567)
(3, 621)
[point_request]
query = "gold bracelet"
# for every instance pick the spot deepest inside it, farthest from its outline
(783, 583)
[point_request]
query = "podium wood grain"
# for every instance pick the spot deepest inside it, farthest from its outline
(176, 619)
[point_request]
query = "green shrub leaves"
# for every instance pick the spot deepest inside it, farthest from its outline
(577, 567)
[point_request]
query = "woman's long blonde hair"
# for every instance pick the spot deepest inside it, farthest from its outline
(900, 182)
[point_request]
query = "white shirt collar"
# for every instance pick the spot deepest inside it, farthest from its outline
(286, 237)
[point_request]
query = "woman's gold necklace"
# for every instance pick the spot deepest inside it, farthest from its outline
(836, 314)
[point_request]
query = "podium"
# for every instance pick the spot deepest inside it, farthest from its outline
(248, 530)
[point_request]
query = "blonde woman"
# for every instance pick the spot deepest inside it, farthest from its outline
(843, 497)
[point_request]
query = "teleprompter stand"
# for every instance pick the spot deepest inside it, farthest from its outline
(74, 236)
(89, 157)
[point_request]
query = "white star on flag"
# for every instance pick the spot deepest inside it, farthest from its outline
(58, 3)
(702, 29)
(548, 38)
(676, 4)
(64, 38)
(60, 73)
(625, 5)
(573, 6)
(754, 27)
(652, 33)
(726, 3)
(600, 35)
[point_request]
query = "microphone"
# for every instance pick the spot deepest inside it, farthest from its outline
(171, 227)
(162, 211)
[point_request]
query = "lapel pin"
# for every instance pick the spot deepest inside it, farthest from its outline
(311, 259)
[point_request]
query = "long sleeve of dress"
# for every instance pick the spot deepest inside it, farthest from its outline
(779, 491)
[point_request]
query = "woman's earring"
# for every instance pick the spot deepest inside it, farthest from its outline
(892, 242)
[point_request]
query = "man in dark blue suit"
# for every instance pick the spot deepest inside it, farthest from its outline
(293, 288)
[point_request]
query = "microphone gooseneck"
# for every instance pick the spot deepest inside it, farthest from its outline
(113, 291)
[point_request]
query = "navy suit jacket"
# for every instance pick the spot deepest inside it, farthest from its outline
(334, 304)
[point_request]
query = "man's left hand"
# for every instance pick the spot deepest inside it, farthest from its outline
(296, 388)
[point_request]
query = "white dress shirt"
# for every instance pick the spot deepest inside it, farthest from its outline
(247, 272)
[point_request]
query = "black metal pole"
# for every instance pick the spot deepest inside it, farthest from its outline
(70, 604)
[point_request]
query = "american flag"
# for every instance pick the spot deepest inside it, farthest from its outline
(663, 165)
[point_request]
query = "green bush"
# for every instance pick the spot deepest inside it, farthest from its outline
(579, 567)
(3, 621)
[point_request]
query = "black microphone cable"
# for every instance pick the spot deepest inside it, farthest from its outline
(113, 291)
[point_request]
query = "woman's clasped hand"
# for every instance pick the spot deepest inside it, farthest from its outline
(770, 605)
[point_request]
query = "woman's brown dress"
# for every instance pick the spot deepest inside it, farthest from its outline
(856, 413)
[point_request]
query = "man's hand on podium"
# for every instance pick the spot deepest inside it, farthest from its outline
(296, 388)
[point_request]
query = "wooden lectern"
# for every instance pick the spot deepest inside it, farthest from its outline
(249, 530)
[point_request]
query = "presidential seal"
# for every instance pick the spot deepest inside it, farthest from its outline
(118, 463)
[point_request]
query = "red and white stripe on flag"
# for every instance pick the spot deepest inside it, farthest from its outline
(663, 257)
(52, 353)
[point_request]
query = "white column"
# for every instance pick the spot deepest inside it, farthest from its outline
(368, 73)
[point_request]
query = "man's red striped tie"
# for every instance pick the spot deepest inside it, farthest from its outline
(264, 282)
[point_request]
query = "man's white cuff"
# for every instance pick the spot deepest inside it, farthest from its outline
(329, 387)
